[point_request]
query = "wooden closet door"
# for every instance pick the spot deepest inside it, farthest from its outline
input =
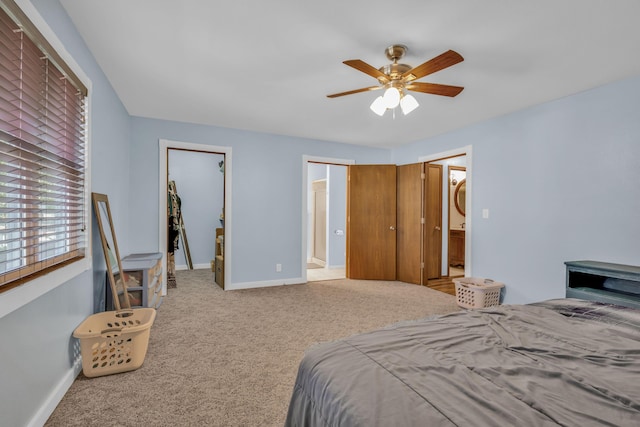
(371, 222)
(409, 217)
(432, 222)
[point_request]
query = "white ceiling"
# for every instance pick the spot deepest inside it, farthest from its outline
(267, 66)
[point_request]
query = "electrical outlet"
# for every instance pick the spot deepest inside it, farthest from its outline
(278, 268)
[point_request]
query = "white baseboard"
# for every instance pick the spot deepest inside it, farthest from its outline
(56, 395)
(264, 283)
(195, 267)
(318, 261)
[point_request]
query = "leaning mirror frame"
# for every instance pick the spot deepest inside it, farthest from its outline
(110, 249)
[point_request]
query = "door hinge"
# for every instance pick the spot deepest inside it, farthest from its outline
(423, 176)
(422, 265)
(421, 220)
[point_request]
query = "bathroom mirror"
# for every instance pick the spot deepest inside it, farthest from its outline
(460, 197)
(117, 281)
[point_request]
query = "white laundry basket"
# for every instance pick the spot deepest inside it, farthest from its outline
(475, 292)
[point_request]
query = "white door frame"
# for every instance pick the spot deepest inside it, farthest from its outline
(165, 145)
(305, 182)
(462, 151)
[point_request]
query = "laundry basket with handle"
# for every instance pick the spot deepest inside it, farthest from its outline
(114, 341)
(475, 292)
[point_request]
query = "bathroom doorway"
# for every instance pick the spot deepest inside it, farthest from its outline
(456, 227)
(456, 200)
(324, 224)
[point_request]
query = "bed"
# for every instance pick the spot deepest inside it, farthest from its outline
(567, 362)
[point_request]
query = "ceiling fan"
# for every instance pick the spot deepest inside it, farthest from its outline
(397, 79)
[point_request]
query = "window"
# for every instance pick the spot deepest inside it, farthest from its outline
(42, 154)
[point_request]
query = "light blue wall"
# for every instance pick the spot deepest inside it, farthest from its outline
(266, 192)
(560, 181)
(38, 352)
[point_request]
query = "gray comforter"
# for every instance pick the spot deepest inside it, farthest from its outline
(562, 362)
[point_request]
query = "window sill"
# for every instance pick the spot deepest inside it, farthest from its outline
(20, 296)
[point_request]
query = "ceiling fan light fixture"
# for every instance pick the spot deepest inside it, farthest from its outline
(378, 106)
(408, 103)
(396, 79)
(391, 97)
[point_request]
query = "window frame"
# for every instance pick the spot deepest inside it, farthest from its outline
(18, 296)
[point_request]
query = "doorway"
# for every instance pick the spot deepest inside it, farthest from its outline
(456, 218)
(195, 197)
(457, 215)
(324, 218)
(218, 162)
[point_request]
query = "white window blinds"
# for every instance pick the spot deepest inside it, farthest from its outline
(42, 154)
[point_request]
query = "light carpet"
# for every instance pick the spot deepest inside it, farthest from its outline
(229, 358)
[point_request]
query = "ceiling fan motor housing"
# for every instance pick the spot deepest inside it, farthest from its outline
(395, 52)
(394, 70)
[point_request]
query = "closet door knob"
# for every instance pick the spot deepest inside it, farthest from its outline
(392, 228)
(437, 228)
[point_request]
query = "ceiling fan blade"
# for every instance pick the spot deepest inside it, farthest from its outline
(438, 63)
(367, 69)
(351, 92)
(434, 88)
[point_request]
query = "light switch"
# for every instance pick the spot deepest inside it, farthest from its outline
(485, 213)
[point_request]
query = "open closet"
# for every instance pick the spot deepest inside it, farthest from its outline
(195, 212)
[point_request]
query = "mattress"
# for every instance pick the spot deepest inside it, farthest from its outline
(561, 362)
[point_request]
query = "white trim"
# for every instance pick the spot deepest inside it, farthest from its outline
(445, 154)
(195, 267)
(466, 151)
(22, 295)
(164, 145)
(267, 283)
(305, 178)
(318, 261)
